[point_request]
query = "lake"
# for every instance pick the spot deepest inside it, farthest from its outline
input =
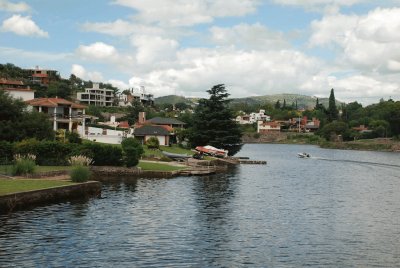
(335, 209)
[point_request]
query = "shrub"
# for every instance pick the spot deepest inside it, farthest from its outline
(102, 154)
(6, 152)
(23, 164)
(153, 143)
(73, 137)
(49, 153)
(133, 150)
(80, 174)
(80, 160)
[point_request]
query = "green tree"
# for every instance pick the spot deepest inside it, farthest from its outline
(335, 128)
(213, 122)
(133, 112)
(17, 124)
(133, 150)
(153, 143)
(333, 113)
(278, 105)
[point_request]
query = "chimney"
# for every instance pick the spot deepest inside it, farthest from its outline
(142, 118)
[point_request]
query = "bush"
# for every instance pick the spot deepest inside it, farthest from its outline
(80, 160)
(23, 166)
(73, 137)
(6, 152)
(49, 153)
(102, 154)
(153, 143)
(80, 174)
(133, 150)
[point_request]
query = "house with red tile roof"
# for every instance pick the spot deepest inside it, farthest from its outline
(17, 89)
(64, 113)
(265, 127)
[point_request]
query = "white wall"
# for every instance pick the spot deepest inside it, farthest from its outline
(96, 134)
(24, 95)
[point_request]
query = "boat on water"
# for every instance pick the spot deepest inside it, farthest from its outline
(212, 151)
(303, 155)
(176, 156)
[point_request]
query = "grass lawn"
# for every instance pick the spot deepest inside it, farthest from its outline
(158, 167)
(171, 149)
(22, 185)
(6, 169)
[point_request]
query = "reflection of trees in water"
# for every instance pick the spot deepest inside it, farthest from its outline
(213, 201)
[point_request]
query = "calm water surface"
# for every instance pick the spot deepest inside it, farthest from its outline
(337, 209)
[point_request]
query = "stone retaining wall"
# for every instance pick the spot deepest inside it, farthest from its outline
(17, 201)
(47, 174)
(99, 172)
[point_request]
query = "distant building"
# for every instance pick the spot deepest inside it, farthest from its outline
(42, 76)
(253, 118)
(126, 98)
(96, 96)
(265, 127)
(162, 133)
(17, 89)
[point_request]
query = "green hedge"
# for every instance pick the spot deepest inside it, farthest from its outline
(6, 152)
(54, 153)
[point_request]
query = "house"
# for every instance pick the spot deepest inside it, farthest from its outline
(163, 121)
(145, 132)
(42, 76)
(63, 113)
(17, 89)
(253, 118)
(265, 127)
(126, 98)
(312, 126)
(96, 96)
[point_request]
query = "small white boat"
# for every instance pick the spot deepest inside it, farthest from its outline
(303, 155)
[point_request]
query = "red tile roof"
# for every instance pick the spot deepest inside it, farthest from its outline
(19, 89)
(4, 81)
(53, 102)
(123, 124)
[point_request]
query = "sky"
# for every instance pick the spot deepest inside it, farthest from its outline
(184, 47)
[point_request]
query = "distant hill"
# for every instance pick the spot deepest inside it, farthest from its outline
(171, 99)
(303, 101)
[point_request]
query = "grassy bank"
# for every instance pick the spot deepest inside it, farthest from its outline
(6, 169)
(158, 167)
(22, 185)
(364, 145)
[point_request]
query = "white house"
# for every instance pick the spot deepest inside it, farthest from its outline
(253, 118)
(63, 113)
(17, 89)
(96, 96)
(125, 99)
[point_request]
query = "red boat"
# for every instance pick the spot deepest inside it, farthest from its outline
(210, 150)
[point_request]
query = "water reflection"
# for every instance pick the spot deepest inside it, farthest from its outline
(290, 213)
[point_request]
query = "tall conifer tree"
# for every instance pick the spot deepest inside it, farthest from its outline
(213, 122)
(333, 113)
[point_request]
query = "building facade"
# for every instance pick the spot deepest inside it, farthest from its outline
(63, 113)
(96, 96)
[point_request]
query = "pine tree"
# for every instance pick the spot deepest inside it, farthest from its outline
(333, 113)
(278, 105)
(213, 122)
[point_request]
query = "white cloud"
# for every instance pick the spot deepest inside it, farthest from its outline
(14, 7)
(81, 72)
(122, 28)
(97, 51)
(370, 42)
(187, 13)
(152, 49)
(121, 85)
(22, 26)
(78, 70)
(244, 73)
(255, 36)
(319, 5)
